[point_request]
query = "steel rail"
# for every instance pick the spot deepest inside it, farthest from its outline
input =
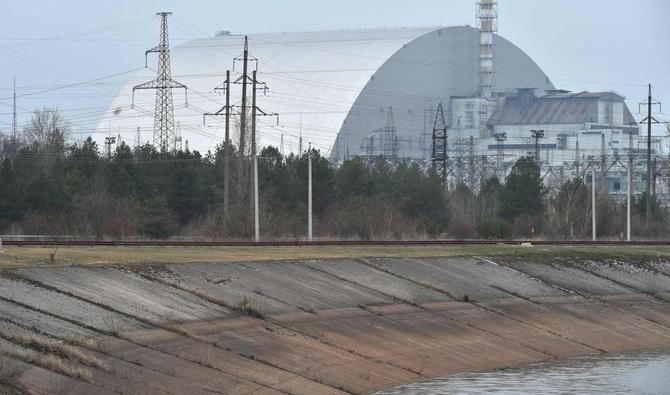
(319, 243)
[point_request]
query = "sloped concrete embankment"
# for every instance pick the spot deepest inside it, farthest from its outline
(316, 327)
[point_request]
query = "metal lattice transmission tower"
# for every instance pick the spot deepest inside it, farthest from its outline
(390, 138)
(440, 156)
(164, 126)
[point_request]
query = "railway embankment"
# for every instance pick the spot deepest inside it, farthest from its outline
(353, 323)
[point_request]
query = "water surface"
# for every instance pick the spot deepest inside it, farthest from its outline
(647, 373)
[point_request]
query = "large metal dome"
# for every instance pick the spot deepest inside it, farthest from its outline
(335, 87)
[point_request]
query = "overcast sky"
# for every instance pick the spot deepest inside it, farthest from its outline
(582, 45)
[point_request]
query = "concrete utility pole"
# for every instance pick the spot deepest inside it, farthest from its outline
(648, 213)
(603, 163)
(628, 193)
(243, 115)
(253, 137)
(577, 156)
(14, 124)
(226, 151)
(309, 193)
(471, 164)
(593, 201)
(225, 110)
(649, 120)
(630, 185)
(256, 219)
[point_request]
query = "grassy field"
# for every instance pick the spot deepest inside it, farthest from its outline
(13, 257)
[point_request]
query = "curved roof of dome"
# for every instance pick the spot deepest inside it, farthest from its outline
(326, 82)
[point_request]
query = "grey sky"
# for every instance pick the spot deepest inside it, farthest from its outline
(581, 45)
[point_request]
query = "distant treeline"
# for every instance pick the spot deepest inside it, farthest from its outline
(48, 187)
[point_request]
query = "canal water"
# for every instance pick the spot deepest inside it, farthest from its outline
(647, 373)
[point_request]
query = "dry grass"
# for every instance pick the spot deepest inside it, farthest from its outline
(54, 363)
(55, 347)
(84, 342)
(101, 256)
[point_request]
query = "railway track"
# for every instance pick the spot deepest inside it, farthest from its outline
(302, 243)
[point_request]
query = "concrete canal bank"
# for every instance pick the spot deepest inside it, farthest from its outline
(317, 326)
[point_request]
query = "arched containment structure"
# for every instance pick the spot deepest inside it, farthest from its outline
(335, 87)
(433, 68)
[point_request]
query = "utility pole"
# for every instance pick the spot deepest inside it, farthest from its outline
(471, 164)
(14, 129)
(577, 157)
(300, 140)
(178, 139)
(281, 145)
(255, 111)
(630, 184)
(649, 119)
(226, 151)
(537, 135)
(309, 193)
(500, 139)
(225, 110)
(603, 164)
(256, 215)
(243, 114)
(253, 152)
(164, 132)
(593, 201)
(440, 156)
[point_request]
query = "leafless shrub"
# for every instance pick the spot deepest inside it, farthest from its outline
(245, 306)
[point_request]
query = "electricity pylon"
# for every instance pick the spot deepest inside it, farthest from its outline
(440, 157)
(164, 130)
